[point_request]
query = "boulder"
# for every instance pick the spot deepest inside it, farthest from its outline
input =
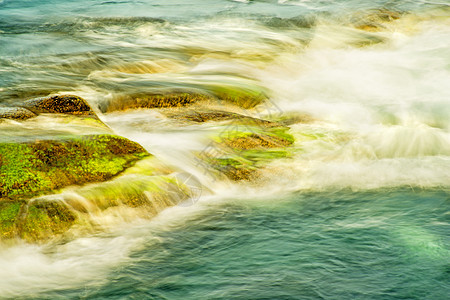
(240, 152)
(63, 168)
(32, 168)
(79, 210)
(245, 96)
(134, 101)
(202, 115)
(15, 113)
(62, 104)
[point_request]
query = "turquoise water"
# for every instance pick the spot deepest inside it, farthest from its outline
(360, 210)
(384, 244)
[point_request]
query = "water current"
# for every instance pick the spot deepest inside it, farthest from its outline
(359, 211)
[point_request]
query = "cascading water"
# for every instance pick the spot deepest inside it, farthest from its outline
(357, 208)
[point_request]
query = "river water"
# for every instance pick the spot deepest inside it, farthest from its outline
(361, 211)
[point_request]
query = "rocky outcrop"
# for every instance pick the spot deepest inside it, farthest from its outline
(134, 101)
(63, 104)
(247, 96)
(75, 210)
(201, 115)
(18, 113)
(32, 168)
(375, 20)
(69, 167)
(58, 104)
(240, 152)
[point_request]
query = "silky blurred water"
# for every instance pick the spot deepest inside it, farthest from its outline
(360, 210)
(383, 244)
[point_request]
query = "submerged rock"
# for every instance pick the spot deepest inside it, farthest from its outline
(134, 101)
(250, 140)
(242, 96)
(240, 152)
(90, 208)
(39, 220)
(245, 96)
(204, 115)
(375, 20)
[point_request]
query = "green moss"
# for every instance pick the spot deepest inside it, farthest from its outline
(30, 169)
(242, 138)
(322, 134)
(242, 96)
(148, 166)
(9, 212)
(281, 132)
(16, 170)
(265, 155)
(248, 158)
(173, 99)
(132, 191)
(44, 219)
(246, 149)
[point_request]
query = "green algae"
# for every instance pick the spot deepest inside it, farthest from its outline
(45, 219)
(29, 169)
(243, 150)
(168, 100)
(246, 137)
(9, 212)
(242, 96)
(131, 191)
(148, 166)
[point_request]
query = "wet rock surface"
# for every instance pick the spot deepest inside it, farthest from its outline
(64, 104)
(202, 115)
(65, 167)
(67, 147)
(19, 113)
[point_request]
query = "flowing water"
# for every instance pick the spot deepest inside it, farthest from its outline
(361, 211)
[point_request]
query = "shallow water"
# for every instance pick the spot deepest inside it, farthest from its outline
(360, 210)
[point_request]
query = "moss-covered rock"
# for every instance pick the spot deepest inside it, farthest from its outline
(175, 99)
(246, 97)
(63, 104)
(251, 140)
(204, 115)
(290, 118)
(141, 191)
(58, 104)
(32, 168)
(61, 168)
(9, 215)
(240, 152)
(375, 20)
(152, 193)
(44, 219)
(15, 113)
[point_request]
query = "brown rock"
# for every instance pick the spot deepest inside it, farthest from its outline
(16, 113)
(63, 104)
(257, 141)
(155, 101)
(205, 115)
